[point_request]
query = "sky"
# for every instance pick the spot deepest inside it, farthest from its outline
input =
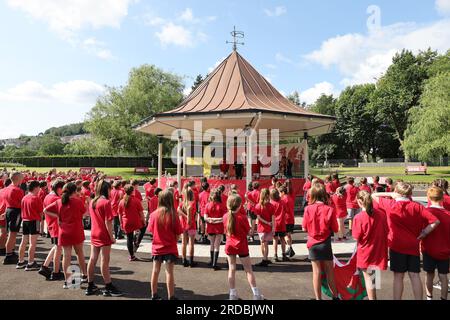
(57, 56)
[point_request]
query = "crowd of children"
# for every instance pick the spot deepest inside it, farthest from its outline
(386, 224)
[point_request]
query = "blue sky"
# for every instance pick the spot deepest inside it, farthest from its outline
(56, 56)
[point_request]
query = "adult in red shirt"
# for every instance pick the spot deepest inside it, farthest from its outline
(280, 224)
(214, 213)
(352, 205)
(115, 197)
(319, 221)
(224, 167)
(12, 197)
(369, 230)
(165, 227)
(265, 212)
(32, 209)
(54, 254)
(237, 227)
(131, 214)
(187, 212)
(408, 223)
(436, 246)
(69, 211)
(339, 203)
(101, 239)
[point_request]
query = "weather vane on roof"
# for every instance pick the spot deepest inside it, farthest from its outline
(236, 36)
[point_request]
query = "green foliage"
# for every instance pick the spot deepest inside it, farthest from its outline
(67, 130)
(13, 151)
(198, 81)
(149, 91)
(294, 97)
(46, 145)
(88, 146)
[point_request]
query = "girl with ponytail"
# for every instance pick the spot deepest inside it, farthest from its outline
(214, 212)
(186, 212)
(237, 228)
(370, 230)
(131, 216)
(69, 210)
(265, 212)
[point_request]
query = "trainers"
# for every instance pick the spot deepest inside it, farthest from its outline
(21, 265)
(437, 285)
(268, 262)
(193, 264)
(185, 263)
(234, 297)
(156, 298)
(258, 297)
(45, 272)
(275, 257)
(91, 290)
(285, 258)
(112, 291)
(65, 286)
(56, 276)
(263, 263)
(291, 253)
(84, 279)
(217, 268)
(11, 259)
(134, 258)
(32, 267)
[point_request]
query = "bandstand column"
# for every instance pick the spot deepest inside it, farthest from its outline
(160, 161)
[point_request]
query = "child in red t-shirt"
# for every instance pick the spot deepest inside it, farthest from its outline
(3, 233)
(237, 227)
(338, 202)
(280, 212)
(252, 200)
(265, 212)
(352, 205)
(319, 221)
(289, 203)
(186, 212)
(436, 246)
(102, 237)
(214, 213)
(203, 200)
(32, 209)
(363, 186)
(165, 227)
(408, 222)
(115, 197)
(370, 231)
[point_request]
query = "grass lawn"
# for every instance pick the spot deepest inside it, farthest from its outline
(391, 172)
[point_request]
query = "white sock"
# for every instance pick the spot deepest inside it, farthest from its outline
(255, 291)
(233, 292)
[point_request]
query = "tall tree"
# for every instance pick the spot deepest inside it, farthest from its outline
(198, 81)
(149, 90)
(294, 97)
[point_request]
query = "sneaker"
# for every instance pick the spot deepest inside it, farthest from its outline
(11, 259)
(84, 279)
(21, 265)
(291, 253)
(91, 290)
(217, 268)
(45, 272)
(437, 285)
(193, 264)
(263, 263)
(234, 297)
(275, 257)
(258, 297)
(185, 263)
(57, 276)
(112, 291)
(268, 261)
(65, 286)
(134, 258)
(32, 267)
(285, 259)
(156, 298)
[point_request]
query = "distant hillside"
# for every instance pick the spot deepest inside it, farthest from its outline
(67, 130)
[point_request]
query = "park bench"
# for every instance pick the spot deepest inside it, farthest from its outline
(416, 169)
(87, 170)
(142, 170)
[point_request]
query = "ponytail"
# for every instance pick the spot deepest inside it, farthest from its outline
(101, 190)
(366, 201)
(68, 190)
(129, 190)
(233, 204)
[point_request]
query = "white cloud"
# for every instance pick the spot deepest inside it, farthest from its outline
(311, 95)
(97, 48)
(70, 92)
(187, 15)
(443, 7)
(363, 58)
(175, 35)
(279, 57)
(278, 11)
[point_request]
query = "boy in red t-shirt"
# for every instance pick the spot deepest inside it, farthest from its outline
(409, 222)
(352, 205)
(436, 246)
(32, 209)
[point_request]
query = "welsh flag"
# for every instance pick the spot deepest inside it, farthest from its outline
(349, 281)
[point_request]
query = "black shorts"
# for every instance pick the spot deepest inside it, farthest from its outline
(280, 234)
(430, 264)
(169, 258)
(321, 251)
(290, 228)
(54, 241)
(251, 215)
(402, 263)
(13, 219)
(31, 228)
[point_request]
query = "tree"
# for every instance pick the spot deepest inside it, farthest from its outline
(400, 88)
(294, 97)
(11, 151)
(46, 145)
(88, 146)
(67, 130)
(428, 133)
(198, 81)
(149, 90)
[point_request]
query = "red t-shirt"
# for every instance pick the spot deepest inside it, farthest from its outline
(2, 209)
(253, 196)
(336, 184)
(183, 221)
(115, 197)
(71, 230)
(203, 200)
(280, 215)
(319, 221)
(375, 185)
(236, 243)
(266, 212)
(43, 192)
(52, 223)
(406, 220)
(165, 236)
(12, 196)
(100, 236)
(32, 208)
(437, 243)
(215, 210)
(153, 204)
(446, 202)
(365, 187)
(371, 235)
(306, 187)
(339, 205)
(351, 192)
(289, 202)
(176, 198)
(131, 215)
(137, 194)
(329, 188)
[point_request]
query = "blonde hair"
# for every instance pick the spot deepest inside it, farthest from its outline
(233, 204)
(188, 197)
(165, 202)
(404, 189)
(264, 197)
(366, 200)
(435, 194)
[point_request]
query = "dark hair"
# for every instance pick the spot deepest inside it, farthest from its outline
(157, 191)
(255, 185)
(68, 190)
(57, 184)
(205, 186)
(43, 184)
(153, 181)
(318, 193)
(101, 190)
(33, 185)
(117, 184)
(335, 176)
(275, 195)
(8, 182)
(250, 186)
(216, 196)
(85, 184)
(134, 182)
